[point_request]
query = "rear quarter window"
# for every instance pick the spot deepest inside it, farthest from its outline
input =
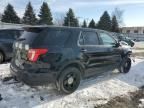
(7, 34)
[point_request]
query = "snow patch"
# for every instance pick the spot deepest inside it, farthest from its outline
(93, 91)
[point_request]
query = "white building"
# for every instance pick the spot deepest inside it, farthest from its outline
(136, 30)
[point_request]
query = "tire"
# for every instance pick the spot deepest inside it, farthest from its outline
(1, 57)
(69, 80)
(125, 65)
(132, 44)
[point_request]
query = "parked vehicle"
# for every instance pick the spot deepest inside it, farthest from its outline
(65, 55)
(7, 38)
(122, 37)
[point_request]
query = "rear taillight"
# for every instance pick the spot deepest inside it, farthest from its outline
(33, 54)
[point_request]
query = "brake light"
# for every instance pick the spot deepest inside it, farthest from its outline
(33, 54)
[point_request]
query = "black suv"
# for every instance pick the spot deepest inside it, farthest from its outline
(7, 38)
(65, 55)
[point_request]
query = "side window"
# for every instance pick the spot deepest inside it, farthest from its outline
(107, 39)
(89, 38)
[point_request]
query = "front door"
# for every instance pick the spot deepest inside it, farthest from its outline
(91, 52)
(112, 54)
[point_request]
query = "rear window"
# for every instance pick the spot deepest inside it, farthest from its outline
(50, 37)
(28, 36)
(56, 37)
(7, 34)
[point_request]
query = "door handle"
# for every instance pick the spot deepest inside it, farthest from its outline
(83, 50)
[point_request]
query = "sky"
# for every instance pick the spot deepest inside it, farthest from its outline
(133, 10)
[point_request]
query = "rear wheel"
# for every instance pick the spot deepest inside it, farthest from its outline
(69, 80)
(126, 65)
(1, 57)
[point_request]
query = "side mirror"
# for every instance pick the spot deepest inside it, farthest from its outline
(117, 44)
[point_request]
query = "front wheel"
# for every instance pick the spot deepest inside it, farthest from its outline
(69, 80)
(125, 65)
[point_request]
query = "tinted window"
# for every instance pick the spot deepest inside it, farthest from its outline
(28, 36)
(107, 39)
(44, 36)
(7, 34)
(90, 38)
(18, 33)
(56, 37)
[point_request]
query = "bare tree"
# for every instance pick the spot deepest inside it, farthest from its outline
(119, 16)
(59, 19)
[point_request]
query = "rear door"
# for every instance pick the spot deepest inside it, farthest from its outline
(92, 53)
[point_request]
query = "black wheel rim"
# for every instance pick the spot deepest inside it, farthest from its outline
(70, 81)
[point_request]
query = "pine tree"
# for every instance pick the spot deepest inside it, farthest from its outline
(115, 26)
(29, 15)
(70, 19)
(10, 15)
(92, 24)
(45, 15)
(84, 25)
(105, 22)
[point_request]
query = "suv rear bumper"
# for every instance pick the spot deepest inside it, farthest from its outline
(33, 79)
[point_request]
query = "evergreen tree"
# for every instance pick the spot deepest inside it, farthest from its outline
(115, 26)
(29, 15)
(10, 15)
(92, 24)
(105, 22)
(45, 15)
(70, 19)
(84, 25)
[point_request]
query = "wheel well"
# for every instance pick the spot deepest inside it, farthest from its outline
(2, 53)
(76, 65)
(127, 54)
